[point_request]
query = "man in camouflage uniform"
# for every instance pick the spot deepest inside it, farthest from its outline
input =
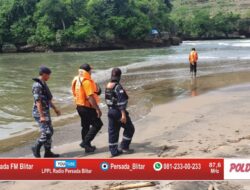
(41, 113)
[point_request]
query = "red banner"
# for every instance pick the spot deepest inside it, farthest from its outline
(111, 169)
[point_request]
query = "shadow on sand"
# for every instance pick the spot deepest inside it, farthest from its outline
(145, 148)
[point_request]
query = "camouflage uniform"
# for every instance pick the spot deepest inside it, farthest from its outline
(41, 92)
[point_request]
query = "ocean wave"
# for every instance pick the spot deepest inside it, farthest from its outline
(4, 116)
(16, 128)
(246, 58)
(241, 44)
(223, 44)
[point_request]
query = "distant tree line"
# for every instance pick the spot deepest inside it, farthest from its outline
(60, 22)
(56, 22)
(201, 24)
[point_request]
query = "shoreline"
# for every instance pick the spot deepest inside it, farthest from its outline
(214, 124)
(167, 114)
(87, 46)
(172, 41)
(204, 84)
(239, 37)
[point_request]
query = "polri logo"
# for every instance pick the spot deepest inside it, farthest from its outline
(65, 164)
(236, 169)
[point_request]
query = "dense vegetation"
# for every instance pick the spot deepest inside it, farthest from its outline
(55, 22)
(201, 24)
(211, 18)
(62, 22)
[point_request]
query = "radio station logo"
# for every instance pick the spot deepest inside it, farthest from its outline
(157, 166)
(104, 166)
(65, 164)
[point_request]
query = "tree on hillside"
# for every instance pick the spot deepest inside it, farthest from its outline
(226, 23)
(16, 20)
(57, 12)
(5, 7)
(51, 17)
(244, 27)
(202, 23)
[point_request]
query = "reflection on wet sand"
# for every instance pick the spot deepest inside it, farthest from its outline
(170, 89)
(193, 87)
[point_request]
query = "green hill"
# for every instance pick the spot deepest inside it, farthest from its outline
(66, 25)
(241, 7)
(211, 19)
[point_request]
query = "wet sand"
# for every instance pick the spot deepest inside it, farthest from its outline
(142, 100)
(147, 87)
(214, 124)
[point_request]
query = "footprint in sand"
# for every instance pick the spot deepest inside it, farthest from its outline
(166, 149)
(181, 154)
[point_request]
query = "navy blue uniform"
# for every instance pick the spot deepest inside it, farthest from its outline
(117, 100)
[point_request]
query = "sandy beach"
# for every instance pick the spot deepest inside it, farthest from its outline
(214, 124)
(174, 115)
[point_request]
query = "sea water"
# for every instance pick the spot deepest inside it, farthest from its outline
(140, 67)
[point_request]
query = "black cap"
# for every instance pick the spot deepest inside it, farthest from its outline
(116, 74)
(44, 70)
(85, 67)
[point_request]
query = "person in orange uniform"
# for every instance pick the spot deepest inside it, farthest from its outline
(193, 58)
(86, 93)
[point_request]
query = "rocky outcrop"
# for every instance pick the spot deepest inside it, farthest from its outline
(217, 37)
(164, 40)
(175, 41)
(9, 48)
(33, 48)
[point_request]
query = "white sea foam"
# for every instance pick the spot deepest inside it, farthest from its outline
(241, 44)
(223, 44)
(16, 128)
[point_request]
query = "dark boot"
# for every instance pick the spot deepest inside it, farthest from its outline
(82, 144)
(118, 153)
(49, 154)
(36, 149)
(89, 148)
(128, 151)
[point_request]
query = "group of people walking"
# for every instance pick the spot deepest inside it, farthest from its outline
(86, 94)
